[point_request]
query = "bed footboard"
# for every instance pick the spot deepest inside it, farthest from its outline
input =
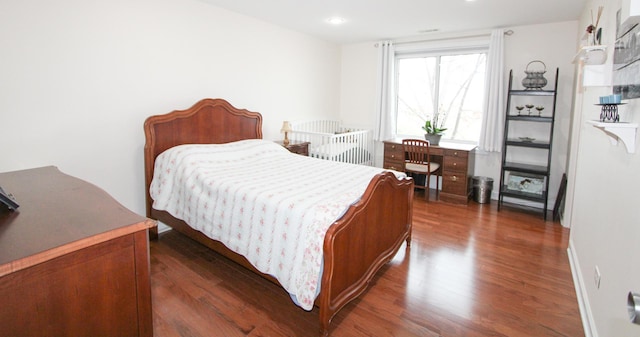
(368, 236)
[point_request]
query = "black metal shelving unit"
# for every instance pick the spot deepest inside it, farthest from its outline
(512, 143)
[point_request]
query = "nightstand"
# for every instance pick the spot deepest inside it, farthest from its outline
(301, 148)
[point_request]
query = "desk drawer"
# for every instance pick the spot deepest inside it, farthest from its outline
(454, 183)
(455, 164)
(392, 151)
(456, 153)
(393, 165)
(393, 156)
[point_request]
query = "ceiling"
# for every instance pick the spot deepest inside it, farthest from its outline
(371, 20)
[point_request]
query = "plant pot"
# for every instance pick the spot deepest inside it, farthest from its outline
(432, 138)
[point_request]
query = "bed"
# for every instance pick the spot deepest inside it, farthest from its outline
(367, 235)
(331, 140)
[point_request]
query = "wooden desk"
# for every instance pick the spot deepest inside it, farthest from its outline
(73, 261)
(457, 160)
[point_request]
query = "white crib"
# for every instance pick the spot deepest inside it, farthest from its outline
(331, 140)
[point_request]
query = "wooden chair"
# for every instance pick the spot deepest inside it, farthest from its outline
(418, 161)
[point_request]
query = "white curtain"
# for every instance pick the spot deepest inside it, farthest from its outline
(385, 93)
(494, 102)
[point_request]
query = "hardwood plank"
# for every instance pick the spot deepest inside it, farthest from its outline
(470, 271)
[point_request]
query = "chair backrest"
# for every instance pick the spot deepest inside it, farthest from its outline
(417, 151)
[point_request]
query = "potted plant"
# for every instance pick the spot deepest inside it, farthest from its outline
(434, 129)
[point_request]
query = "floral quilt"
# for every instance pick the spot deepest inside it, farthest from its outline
(263, 202)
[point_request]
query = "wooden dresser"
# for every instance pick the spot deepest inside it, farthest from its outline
(457, 160)
(73, 261)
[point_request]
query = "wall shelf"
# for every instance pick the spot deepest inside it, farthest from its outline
(625, 132)
(591, 55)
(592, 59)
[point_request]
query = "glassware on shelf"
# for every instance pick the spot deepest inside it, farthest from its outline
(519, 108)
(539, 108)
(529, 107)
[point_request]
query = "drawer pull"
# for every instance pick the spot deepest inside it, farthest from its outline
(393, 146)
(393, 156)
(455, 153)
(455, 164)
(454, 178)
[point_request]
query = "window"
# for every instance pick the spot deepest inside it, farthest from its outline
(452, 84)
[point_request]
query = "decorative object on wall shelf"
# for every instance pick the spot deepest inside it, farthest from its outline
(611, 99)
(594, 33)
(609, 112)
(539, 108)
(535, 78)
(625, 132)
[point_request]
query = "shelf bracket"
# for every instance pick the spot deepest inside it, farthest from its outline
(625, 132)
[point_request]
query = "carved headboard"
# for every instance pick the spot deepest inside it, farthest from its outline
(210, 121)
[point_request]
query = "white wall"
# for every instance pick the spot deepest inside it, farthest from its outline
(547, 43)
(605, 228)
(79, 77)
(358, 84)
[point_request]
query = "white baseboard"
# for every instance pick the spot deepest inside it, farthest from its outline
(581, 293)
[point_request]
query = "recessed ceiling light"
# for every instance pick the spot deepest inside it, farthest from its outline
(336, 20)
(430, 30)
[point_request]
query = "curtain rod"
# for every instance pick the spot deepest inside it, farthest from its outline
(507, 32)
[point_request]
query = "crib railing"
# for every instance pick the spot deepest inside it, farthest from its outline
(331, 140)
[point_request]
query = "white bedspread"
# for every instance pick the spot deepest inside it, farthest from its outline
(261, 201)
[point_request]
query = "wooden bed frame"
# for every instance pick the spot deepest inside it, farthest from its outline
(367, 236)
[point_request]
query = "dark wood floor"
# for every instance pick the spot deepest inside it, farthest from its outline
(470, 271)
